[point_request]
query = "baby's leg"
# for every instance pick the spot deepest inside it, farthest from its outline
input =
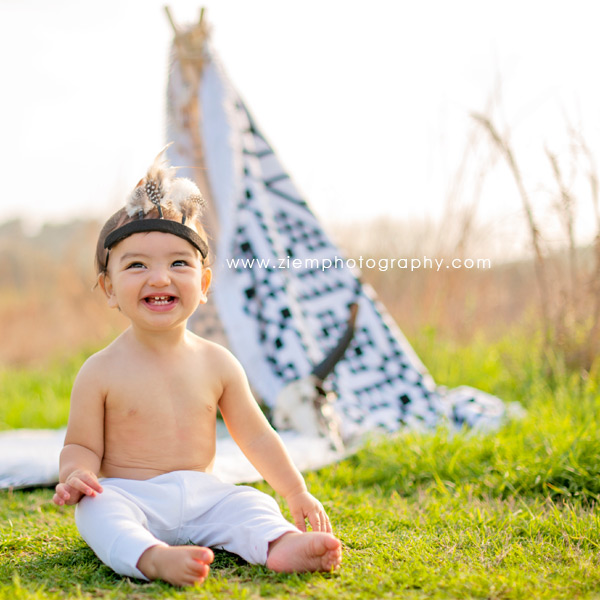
(242, 520)
(304, 551)
(116, 529)
(250, 524)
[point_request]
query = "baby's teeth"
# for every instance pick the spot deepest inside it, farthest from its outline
(161, 299)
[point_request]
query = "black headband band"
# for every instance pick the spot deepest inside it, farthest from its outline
(162, 225)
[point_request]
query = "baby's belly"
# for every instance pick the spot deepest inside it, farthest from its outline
(132, 472)
(146, 458)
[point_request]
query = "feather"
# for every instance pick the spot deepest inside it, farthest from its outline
(160, 187)
(158, 180)
(187, 198)
(138, 202)
(153, 189)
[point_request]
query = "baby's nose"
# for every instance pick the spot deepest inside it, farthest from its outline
(159, 277)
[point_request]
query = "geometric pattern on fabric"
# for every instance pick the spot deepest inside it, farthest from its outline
(280, 309)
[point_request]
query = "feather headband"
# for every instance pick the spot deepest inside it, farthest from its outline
(160, 188)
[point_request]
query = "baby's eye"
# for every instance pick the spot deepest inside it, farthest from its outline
(180, 263)
(135, 265)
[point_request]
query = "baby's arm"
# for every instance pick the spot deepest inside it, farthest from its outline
(264, 449)
(81, 456)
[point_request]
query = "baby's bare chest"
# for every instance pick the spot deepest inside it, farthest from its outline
(154, 404)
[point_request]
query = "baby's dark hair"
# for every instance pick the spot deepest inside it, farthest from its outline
(121, 218)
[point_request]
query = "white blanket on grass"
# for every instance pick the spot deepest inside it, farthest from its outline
(29, 457)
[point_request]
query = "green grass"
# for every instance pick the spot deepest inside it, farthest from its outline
(505, 515)
(38, 397)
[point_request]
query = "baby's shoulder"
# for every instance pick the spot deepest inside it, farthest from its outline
(105, 360)
(92, 374)
(218, 358)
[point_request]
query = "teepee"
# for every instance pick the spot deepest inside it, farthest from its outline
(274, 304)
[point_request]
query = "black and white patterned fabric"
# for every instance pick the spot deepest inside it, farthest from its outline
(280, 320)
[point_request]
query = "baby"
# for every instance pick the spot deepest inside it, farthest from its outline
(140, 443)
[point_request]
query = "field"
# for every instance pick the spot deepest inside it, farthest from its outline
(505, 515)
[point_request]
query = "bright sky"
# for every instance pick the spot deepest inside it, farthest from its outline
(367, 104)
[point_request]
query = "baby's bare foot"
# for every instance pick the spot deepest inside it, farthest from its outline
(310, 551)
(179, 565)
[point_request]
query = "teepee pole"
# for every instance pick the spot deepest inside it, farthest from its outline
(170, 17)
(189, 45)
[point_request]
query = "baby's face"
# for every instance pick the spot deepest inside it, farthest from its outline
(156, 279)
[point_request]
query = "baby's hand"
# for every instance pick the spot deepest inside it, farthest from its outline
(305, 506)
(78, 484)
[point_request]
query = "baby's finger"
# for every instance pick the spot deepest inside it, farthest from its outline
(61, 495)
(92, 482)
(324, 523)
(315, 521)
(299, 521)
(81, 486)
(59, 499)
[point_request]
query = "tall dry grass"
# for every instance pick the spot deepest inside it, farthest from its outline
(567, 281)
(552, 289)
(47, 305)
(459, 304)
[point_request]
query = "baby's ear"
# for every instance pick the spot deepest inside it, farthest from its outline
(106, 285)
(206, 279)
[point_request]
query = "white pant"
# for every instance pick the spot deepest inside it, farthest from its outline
(177, 508)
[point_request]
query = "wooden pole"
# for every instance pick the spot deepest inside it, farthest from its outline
(169, 16)
(189, 45)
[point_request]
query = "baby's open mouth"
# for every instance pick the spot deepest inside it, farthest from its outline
(158, 300)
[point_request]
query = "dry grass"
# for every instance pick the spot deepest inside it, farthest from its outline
(569, 305)
(460, 304)
(47, 306)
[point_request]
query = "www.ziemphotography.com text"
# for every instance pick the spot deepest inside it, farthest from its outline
(381, 264)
